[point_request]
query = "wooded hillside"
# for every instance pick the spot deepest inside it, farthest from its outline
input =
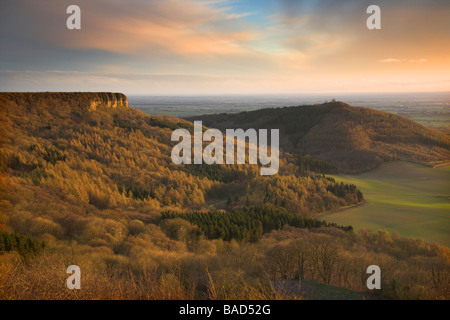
(354, 139)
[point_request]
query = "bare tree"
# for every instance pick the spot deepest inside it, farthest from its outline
(299, 249)
(280, 260)
(324, 256)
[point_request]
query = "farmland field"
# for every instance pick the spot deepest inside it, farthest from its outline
(401, 196)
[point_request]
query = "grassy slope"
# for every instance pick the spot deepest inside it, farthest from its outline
(320, 291)
(402, 196)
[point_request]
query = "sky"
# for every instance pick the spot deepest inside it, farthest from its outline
(202, 47)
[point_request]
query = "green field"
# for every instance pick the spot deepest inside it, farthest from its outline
(401, 196)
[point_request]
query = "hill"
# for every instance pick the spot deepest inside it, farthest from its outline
(355, 139)
(93, 149)
(86, 180)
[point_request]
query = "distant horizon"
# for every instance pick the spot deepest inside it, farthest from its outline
(310, 94)
(291, 94)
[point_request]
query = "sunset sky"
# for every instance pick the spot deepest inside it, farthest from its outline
(225, 47)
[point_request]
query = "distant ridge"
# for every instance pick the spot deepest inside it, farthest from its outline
(355, 139)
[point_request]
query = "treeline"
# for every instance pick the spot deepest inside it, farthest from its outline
(26, 246)
(222, 173)
(304, 195)
(293, 122)
(136, 192)
(354, 139)
(163, 123)
(247, 224)
(154, 122)
(341, 189)
(308, 164)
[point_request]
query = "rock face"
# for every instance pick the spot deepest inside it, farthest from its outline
(75, 100)
(111, 100)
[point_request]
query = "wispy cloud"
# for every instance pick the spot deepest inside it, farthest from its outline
(239, 15)
(394, 60)
(159, 27)
(291, 45)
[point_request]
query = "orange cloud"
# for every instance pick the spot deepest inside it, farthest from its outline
(390, 60)
(325, 48)
(181, 27)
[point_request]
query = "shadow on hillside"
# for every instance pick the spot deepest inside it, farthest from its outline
(311, 290)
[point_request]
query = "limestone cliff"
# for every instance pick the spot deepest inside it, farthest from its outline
(73, 100)
(111, 100)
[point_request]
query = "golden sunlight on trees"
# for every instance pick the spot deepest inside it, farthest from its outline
(96, 187)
